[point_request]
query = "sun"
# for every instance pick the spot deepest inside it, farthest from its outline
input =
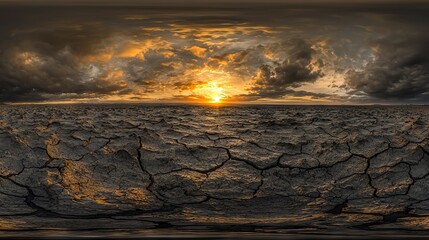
(216, 99)
(211, 92)
(214, 92)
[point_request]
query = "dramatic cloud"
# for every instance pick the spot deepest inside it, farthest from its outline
(282, 51)
(399, 69)
(38, 71)
(277, 79)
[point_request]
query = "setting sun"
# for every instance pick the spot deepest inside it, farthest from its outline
(212, 92)
(216, 99)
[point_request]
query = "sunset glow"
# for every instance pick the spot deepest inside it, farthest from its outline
(212, 56)
(216, 99)
(212, 92)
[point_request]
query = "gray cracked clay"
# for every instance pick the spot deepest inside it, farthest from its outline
(141, 167)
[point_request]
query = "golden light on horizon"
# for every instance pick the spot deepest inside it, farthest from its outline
(213, 92)
(216, 99)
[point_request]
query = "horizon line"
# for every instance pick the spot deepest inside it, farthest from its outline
(213, 104)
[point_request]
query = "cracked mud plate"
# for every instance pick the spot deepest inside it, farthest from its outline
(227, 172)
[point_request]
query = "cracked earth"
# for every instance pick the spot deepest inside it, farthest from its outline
(287, 169)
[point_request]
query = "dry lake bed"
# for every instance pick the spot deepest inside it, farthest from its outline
(217, 172)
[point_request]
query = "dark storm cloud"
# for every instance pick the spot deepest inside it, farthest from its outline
(147, 72)
(399, 70)
(63, 52)
(242, 61)
(40, 63)
(276, 80)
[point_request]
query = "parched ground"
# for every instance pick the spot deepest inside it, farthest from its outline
(266, 169)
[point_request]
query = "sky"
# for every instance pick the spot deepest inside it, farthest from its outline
(243, 51)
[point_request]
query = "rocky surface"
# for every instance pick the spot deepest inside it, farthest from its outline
(285, 169)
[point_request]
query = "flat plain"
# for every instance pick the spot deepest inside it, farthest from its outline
(143, 170)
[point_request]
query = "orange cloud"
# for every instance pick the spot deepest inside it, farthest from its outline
(197, 51)
(137, 49)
